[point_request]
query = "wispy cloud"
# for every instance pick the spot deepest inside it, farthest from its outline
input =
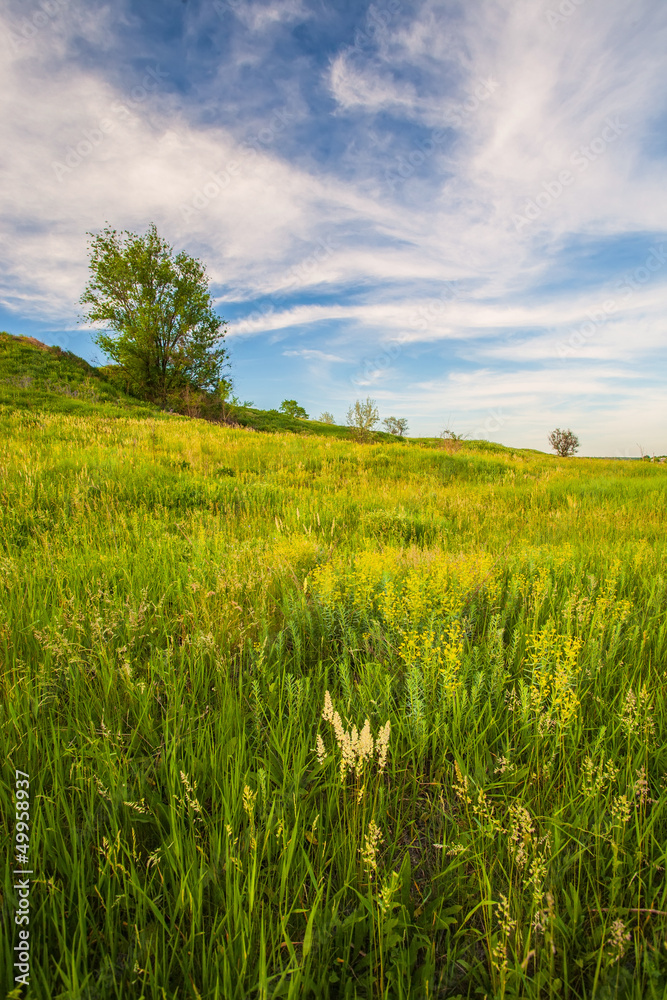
(264, 140)
(363, 87)
(313, 355)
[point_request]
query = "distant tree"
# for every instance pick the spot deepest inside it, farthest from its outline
(160, 326)
(448, 435)
(396, 425)
(564, 443)
(292, 409)
(363, 418)
(327, 418)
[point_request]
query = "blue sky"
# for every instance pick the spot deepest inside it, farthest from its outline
(457, 209)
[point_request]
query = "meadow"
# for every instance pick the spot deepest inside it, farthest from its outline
(310, 718)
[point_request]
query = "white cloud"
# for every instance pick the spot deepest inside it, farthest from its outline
(78, 153)
(270, 227)
(313, 355)
(363, 87)
(260, 16)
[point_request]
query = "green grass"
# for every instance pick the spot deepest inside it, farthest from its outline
(37, 377)
(273, 421)
(176, 598)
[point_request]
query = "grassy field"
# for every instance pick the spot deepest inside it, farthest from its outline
(306, 718)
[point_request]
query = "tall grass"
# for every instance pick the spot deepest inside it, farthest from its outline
(204, 634)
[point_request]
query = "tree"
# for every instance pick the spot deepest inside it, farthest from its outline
(396, 425)
(327, 418)
(160, 327)
(292, 409)
(362, 418)
(564, 443)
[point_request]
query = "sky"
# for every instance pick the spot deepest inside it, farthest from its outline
(457, 209)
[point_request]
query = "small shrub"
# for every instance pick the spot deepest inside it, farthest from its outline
(363, 418)
(564, 443)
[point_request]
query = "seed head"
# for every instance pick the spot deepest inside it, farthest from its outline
(371, 845)
(320, 749)
(618, 940)
(382, 745)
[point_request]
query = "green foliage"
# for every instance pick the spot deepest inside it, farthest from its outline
(176, 598)
(273, 421)
(363, 417)
(327, 418)
(38, 377)
(397, 426)
(564, 443)
(292, 409)
(161, 330)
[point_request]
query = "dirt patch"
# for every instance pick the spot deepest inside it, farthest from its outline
(35, 343)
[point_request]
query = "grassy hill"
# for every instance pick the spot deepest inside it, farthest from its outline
(308, 718)
(35, 376)
(38, 377)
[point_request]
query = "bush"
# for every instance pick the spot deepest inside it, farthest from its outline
(564, 443)
(292, 409)
(363, 418)
(397, 426)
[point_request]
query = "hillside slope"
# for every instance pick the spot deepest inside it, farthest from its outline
(35, 376)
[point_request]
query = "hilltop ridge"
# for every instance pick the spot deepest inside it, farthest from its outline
(37, 376)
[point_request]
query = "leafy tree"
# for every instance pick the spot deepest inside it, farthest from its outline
(564, 443)
(160, 327)
(362, 418)
(292, 409)
(396, 425)
(327, 418)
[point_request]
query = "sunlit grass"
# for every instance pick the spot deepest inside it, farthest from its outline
(477, 807)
